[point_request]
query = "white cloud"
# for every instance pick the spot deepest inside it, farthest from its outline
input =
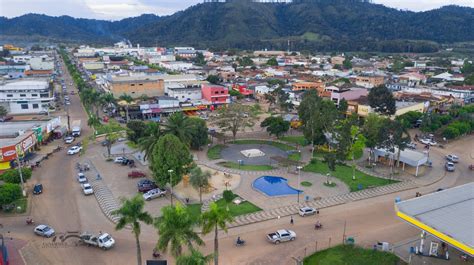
(113, 9)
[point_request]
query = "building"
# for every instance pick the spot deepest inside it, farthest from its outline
(402, 107)
(176, 65)
(337, 94)
(136, 85)
(42, 63)
(337, 60)
(26, 96)
(319, 86)
(24, 59)
(185, 92)
(369, 81)
(215, 94)
(93, 66)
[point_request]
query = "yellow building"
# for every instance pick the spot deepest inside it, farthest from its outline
(363, 109)
(369, 81)
(12, 47)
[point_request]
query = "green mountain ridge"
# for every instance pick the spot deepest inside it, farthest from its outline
(325, 25)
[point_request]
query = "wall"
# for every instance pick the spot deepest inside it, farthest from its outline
(137, 88)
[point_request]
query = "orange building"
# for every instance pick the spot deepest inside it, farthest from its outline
(369, 81)
(317, 85)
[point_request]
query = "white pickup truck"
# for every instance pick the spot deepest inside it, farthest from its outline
(281, 236)
(103, 241)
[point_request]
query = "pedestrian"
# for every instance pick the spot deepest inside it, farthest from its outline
(291, 220)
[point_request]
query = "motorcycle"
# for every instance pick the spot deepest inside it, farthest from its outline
(318, 226)
(239, 242)
(156, 254)
(29, 221)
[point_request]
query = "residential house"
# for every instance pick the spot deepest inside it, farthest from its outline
(369, 81)
(215, 94)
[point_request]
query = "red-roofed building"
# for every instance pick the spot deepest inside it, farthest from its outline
(242, 89)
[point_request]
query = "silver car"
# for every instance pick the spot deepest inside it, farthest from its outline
(44, 230)
(449, 166)
(307, 211)
(452, 158)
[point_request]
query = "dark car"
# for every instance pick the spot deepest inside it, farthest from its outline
(38, 189)
(136, 174)
(145, 185)
(127, 161)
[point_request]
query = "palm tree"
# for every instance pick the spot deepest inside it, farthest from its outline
(147, 143)
(178, 125)
(107, 99)
(128, 99)
(194, 258)
(175, 228)
(199, 179)
(131, 213)
(214, 219)
(93, 121)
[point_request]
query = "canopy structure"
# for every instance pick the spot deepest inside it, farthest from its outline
(252, 153)
(447, 215)
(409, 157)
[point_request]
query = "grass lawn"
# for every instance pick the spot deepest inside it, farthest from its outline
(344, 173)
(236, 210)
(194, 210)
(306, 184)
(300, 140)
(229, 164)
(214, 152)
(353, 255)
(22, 203)
(132, 145)
(296, 156)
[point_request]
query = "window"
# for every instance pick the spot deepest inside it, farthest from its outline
(22, 95)
(24, 106)
(35, 106)
(132, 84)
(34, 95)
(44, 95)
(9, 95)
(140, 84)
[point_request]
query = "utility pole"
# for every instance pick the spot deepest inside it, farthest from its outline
(21, 174)
(170, 171)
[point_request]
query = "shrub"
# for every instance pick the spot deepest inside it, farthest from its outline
(13, 176)
(9, 192)
(450, 132)
(228, 196)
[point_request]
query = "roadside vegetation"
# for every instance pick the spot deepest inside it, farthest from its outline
(354, 255)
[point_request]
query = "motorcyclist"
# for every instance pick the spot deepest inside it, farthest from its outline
(317, 225)
(239, 241)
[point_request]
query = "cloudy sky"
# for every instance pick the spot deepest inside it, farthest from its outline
(113, 9)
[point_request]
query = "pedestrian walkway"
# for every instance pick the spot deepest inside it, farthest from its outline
(102, 193)
(322, 203)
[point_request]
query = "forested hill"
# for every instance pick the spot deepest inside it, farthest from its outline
(307, 24)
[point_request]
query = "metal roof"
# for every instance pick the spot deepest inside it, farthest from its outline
(449, 214)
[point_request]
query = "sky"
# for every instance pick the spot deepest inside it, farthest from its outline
(115, 10)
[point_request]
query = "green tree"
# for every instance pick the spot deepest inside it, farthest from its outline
(213, 79)
(330, 159)
(9, 192)
(350, 142)
(148, 142)
(347, 63)
(128, 99)
(382, 101)
(396, 136)
(93, 121)
(194, 258)
(170, 154)
(199, 179)
(199, 132)
(13, 175)
(467, 68)
(276, 126)
(131, 213)
(111, 135)
(408, 119)
(178, 125)
(107, 100)
(272, 62)
(235, 117)
(175, 228)
(342, 107)
(136, 130)
(371, 129)
(214, 219)
(3, 111)
(245, 61)
(199, 59)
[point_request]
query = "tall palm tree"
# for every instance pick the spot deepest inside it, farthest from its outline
(194, 258)
(107, 99)
(93, 121)
(131, 213)
(147, 143)
(128, 99)
(175, 228)
(199, 179)
(214, 219)
(178, 125)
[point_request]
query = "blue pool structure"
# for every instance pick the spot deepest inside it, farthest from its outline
(274, 186)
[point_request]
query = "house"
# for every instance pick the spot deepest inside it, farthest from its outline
(242, 89)
(26, 96)
(317, 85)
(347, 93)
(337, 60)
(185, 92)
(215, 94)
(369, 81)
(412, 79)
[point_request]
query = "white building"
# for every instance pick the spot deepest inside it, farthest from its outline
(156, 59)
(42, 63)
(176, 66)
(21, 58)
(185, 92)
(26, 96)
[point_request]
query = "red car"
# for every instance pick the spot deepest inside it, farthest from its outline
(136, 174)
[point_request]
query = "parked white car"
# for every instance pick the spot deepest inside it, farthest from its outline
(452, 158)
(69, 139)
(154, 193)
(74, 150)
(87, 189)
(81, 178)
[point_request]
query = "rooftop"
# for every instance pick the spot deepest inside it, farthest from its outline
(24, 84)
(447, 214)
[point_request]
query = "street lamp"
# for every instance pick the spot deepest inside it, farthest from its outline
(299, 173)
(240, 162)
(171, 186)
